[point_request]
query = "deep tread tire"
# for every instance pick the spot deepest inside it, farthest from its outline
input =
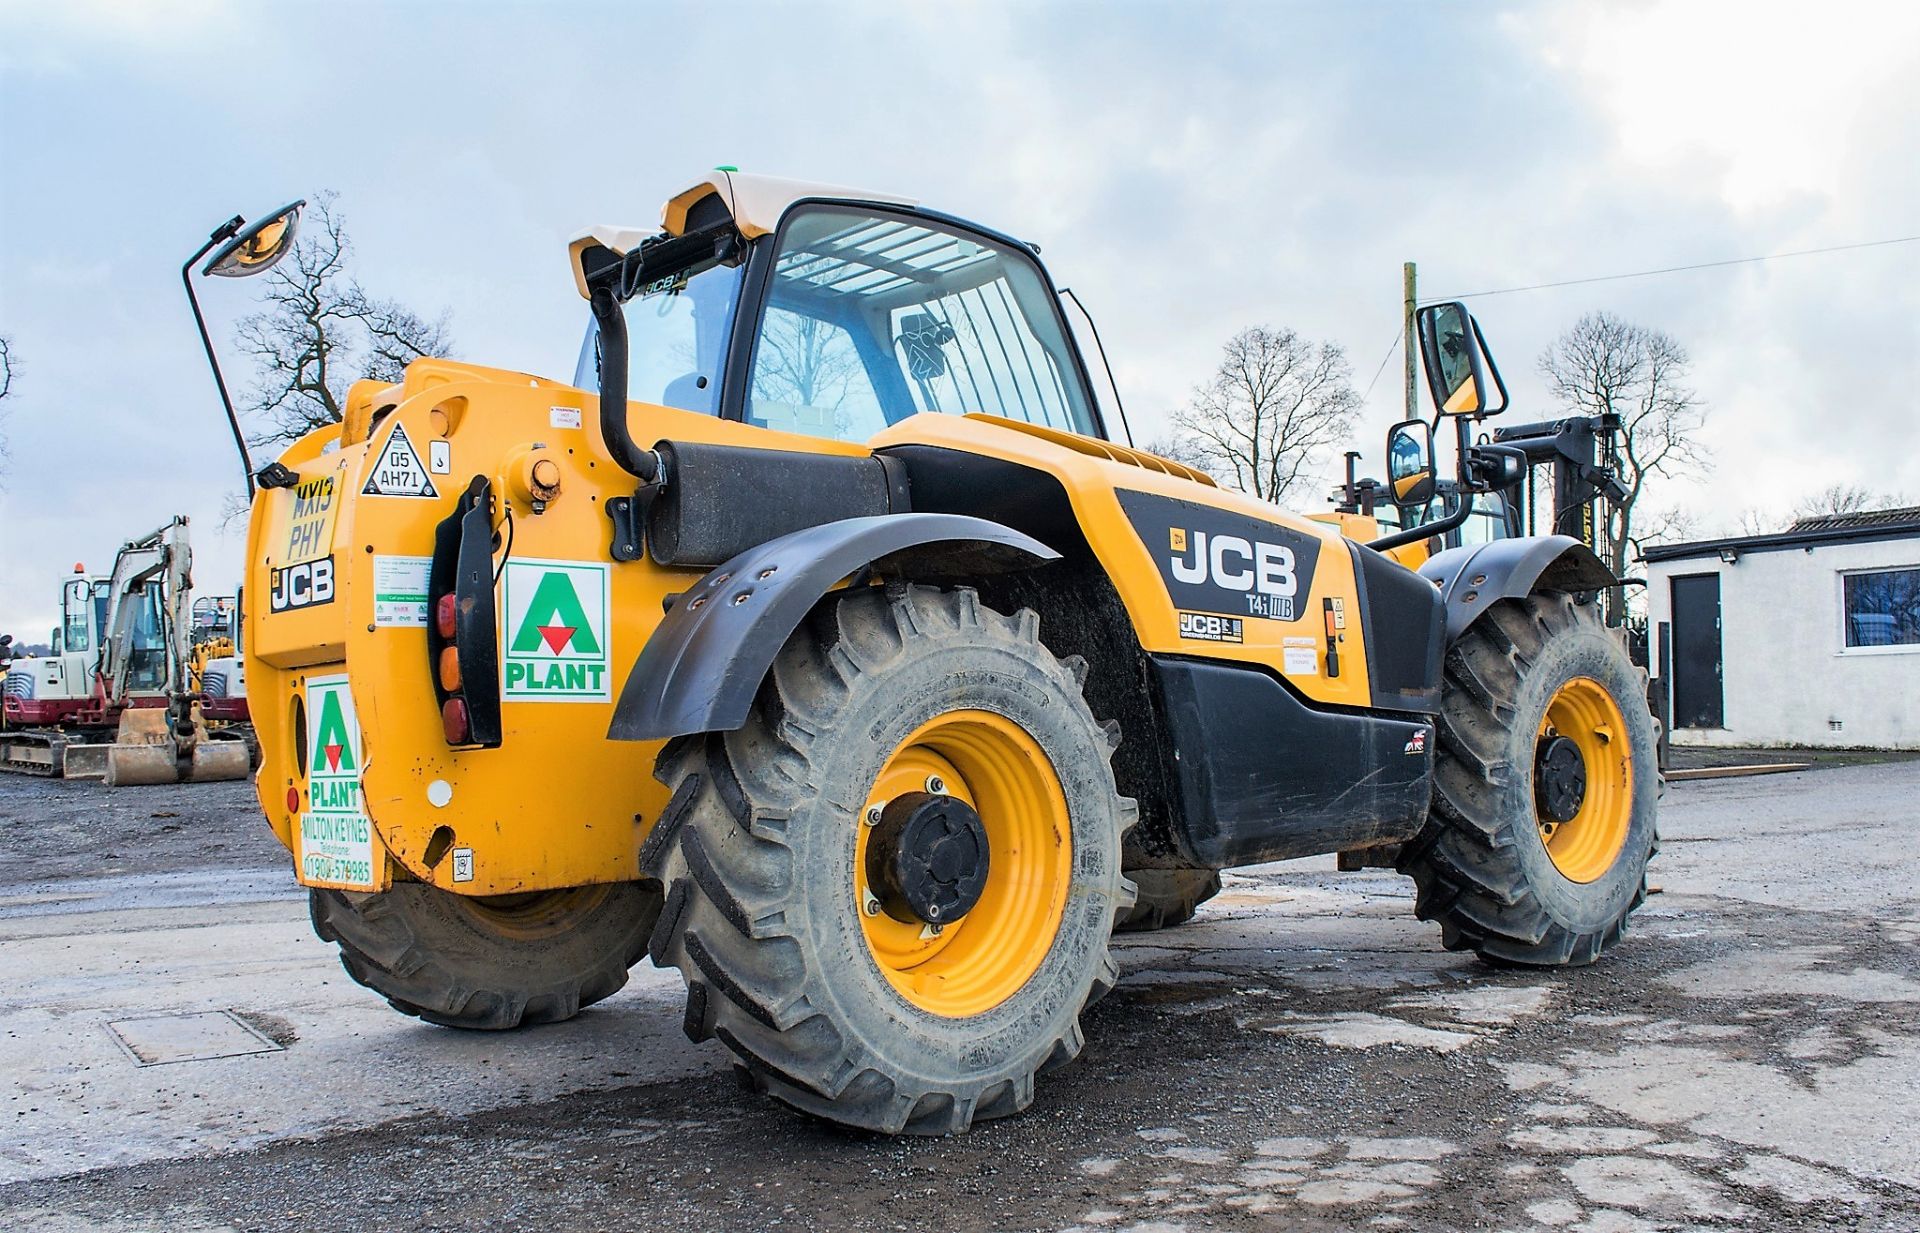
(1480, 867)
(756, 854)
(433, 955)
(1167, 897)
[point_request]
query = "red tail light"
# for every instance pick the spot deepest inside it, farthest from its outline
(453, 719)
(443, 616)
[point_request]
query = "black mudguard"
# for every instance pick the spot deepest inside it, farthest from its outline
(1473, 579)
(702, 666)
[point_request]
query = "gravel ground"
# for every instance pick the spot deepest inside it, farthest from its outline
(1304, 1056)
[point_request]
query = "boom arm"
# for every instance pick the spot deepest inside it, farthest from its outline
(164, 555)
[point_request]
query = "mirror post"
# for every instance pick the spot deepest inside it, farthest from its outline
(226, 231)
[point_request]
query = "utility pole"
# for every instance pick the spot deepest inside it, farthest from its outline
(1411, 346)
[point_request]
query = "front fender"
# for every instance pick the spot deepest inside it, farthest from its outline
(1475, 578)
(702, 666)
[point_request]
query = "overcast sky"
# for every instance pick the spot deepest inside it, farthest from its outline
(1188, 169)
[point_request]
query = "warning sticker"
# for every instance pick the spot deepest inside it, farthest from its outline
(439, 457)
(310, 521)
(335, 838)
(554, 614)
(400, 591)
(1300, 661)
(398, 471)
(563, 417)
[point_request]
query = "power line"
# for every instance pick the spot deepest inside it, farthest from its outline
(1678, 269)
(1383, 365)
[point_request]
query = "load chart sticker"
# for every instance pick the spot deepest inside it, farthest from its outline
(555, 618)
(398, 472)
(336, 845)
(400, 591)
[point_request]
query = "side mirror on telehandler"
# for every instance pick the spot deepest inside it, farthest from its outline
(1410, 470)
(1460, 369)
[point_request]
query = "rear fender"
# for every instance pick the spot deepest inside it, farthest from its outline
(702, 666)
(1473, 579)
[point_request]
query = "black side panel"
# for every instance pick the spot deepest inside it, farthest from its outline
(1405, 632)
(1263, 777)
(720, 500)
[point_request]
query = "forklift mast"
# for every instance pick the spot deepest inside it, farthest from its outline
(1580, 451)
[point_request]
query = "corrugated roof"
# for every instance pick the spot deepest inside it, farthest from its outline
(1859, 518)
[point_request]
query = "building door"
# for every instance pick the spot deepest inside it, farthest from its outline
(1697, 701)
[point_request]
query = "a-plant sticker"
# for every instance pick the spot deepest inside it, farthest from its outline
(336, 840)
(554, 614)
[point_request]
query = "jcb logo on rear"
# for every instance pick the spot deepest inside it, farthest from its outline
(301, 586)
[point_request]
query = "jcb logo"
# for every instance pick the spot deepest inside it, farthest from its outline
(301, 586)
(1236, 564)
(1223, 562)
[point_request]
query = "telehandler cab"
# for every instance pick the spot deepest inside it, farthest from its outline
(820, 640)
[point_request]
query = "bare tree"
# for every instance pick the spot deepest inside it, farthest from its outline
(1757, 522)
(9, 371)
(1671, 525)
(1605, 365)
(1273, 405)
(1845, 499)
(319, 331)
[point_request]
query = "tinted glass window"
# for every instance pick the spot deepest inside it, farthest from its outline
(676, 341)
(1882, 608)
(872, 318)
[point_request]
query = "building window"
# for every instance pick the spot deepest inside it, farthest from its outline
(1881, 608)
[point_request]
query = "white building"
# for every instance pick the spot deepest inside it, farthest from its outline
(1809, 637)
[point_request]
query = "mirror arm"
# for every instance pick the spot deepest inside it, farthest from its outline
(1426, 529)
(1492, 368)
(226, 231)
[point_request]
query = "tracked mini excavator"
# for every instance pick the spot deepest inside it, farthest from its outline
(822, 640)
(113, 700)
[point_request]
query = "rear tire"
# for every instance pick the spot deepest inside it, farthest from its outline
(831, 1003)
(1167, 897)
(1492, 865)
(488, 964)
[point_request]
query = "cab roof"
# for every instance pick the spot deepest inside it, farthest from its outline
(755, 203)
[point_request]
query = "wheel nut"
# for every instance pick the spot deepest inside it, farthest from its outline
(871, 907)
(873, 815)
(936, 785)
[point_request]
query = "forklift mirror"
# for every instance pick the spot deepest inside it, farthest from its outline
(1458, 367)
(1410, 471)
(257, 248)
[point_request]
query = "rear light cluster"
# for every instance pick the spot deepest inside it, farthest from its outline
(463, 641)
(454, 720)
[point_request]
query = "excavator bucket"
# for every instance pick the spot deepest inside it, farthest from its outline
(145, 752)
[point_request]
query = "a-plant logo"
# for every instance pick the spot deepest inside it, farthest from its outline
(557, 637)
(336, 840)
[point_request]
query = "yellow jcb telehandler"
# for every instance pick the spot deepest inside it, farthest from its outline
(820, 640)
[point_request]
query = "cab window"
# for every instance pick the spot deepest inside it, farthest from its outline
(871, 318)
(74, 623)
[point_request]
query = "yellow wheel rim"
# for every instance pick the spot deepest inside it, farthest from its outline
(1585, 846)
(979, 961)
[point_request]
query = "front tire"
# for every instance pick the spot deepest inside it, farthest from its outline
(1545, 789)
(834, 997)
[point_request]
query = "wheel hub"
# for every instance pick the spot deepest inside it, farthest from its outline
(927, 860)
(1559, 780)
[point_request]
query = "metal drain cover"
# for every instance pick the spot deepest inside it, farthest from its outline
(155, 1040)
